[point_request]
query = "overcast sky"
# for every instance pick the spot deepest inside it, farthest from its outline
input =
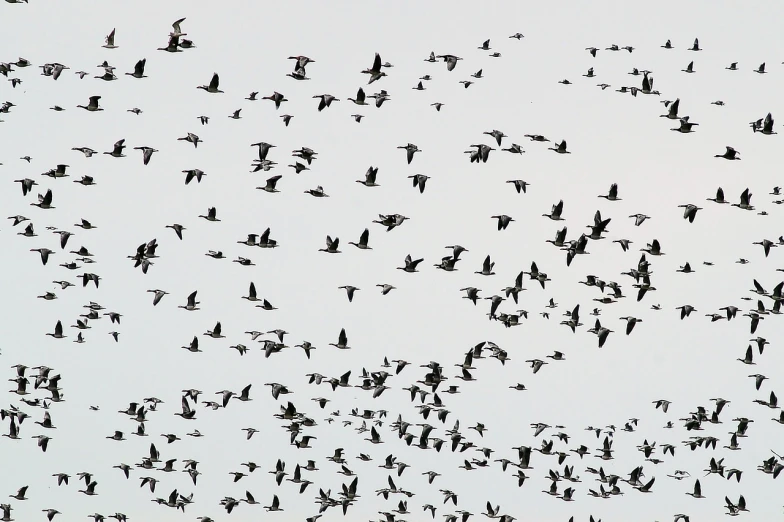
(612, 137)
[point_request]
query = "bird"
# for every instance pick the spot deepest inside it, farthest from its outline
(213, 85)
(409, 330)
(92, 106)
(729, 154)
(147, 153)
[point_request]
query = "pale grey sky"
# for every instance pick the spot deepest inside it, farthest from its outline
(613, 138)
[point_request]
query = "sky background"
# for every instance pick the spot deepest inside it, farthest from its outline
(613, 138)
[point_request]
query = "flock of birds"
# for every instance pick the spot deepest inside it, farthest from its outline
(571, 467)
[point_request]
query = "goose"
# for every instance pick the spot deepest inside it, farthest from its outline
(28, 232)
(326, 101)
(749, 357)
(555, 213)
(653, 248)
(686, 310)
(57, 69)
(450, 60)
(695, 46)
(117, 149)
(138, 69)
(612, 195)
(27, 185)
(419, 181)
(497, 134)
(690, 211)
(363, 241)
(733, 66)
(93, 105)
(410, 264)
(767, 126)
(772, 403)
(503, 221)
(760, 69)
(265, 241)
(689, 68)
(729, 154)
(147, 153)
(342, 343)
(213, 86)
(236, 115)
(745, 201)
(519, 185)
(302, 61)
(646, 87)
(672, 112)
(276, 97)
(390, 221)
(191, 304)
(87, 151)
(58, 172)
(107, 76)
(410, 149)
(275, 505)
(193, 347)
(560, 148)
(215, 333)
(317, 192)
(686, 269)
(90, 491)
(375, 71)
(685, 126)
(766, 245)
(266, 305)
(298, 74)
(515, 148)
(360, 99)
(212, 213)
(487, 267)
(332, 246)
(380, 98)
(697, 493)
(299, 167)
(109, 45)
(472, 294)
(44, 201)
(630, 322)
(177, 229)
(719, 197)
(481, 153)
(192, 138)
(456, 250)
(271, 184)
(193, 173)
(385, 289)
(306, 153)
(349, 291)
(447, 264)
